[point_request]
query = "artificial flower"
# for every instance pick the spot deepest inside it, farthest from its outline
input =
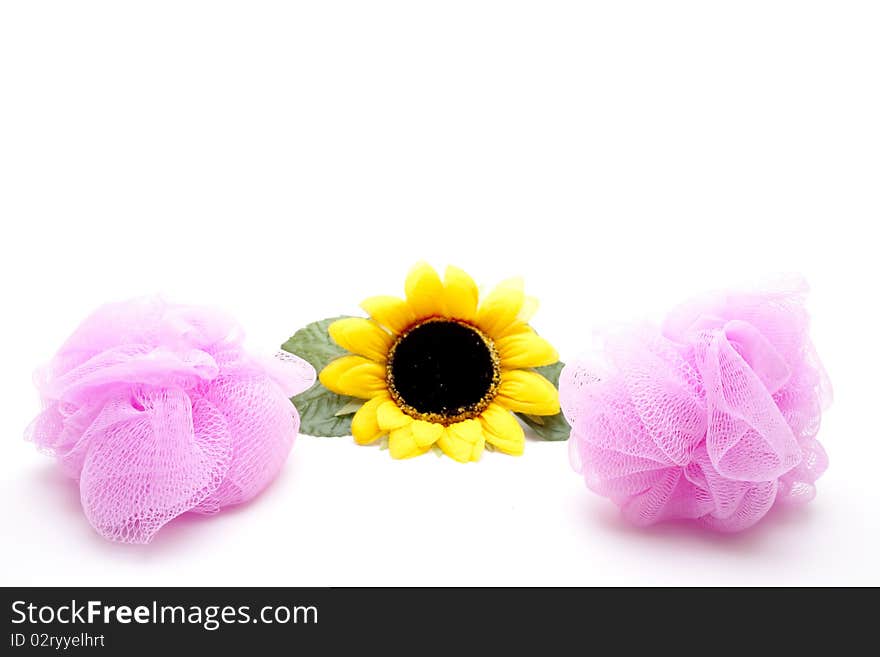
(443, 367)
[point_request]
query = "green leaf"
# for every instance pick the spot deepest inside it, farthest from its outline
(322, 412)
(551, 372)
(549, 427)
(351, 407)
(318, 408)
(313, 343)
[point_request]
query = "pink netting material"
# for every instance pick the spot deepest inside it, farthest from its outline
(157, 410)
(712, 417)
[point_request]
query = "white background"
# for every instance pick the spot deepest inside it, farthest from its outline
(285, 160)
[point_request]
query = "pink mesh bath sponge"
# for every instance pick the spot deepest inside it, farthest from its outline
(712, 417)
(157, 410)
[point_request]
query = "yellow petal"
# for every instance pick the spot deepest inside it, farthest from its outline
(390, 416)
(424, 291)
(364, 425)
(523, 391)
(529, 308)
(460, 294)
(361, 336)
(502, 430)
(391, 312)
(515, 328)
(402, 445)
(355, 376)
(501, 307)
(463, 441)
(525, 349)
(426, 433)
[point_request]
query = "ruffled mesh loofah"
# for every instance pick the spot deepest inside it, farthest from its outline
(713, 417)
(157, 410)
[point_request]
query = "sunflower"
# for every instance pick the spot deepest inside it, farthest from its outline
(441, 368)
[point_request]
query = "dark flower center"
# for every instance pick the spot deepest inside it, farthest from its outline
(443, 371)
